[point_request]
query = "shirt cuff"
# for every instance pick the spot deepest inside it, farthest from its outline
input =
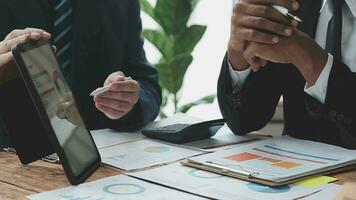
(238, 77)
(318, 91)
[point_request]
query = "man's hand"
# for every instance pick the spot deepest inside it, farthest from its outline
(120, 99)
(299, 50)
(257, 21)
(18, 37)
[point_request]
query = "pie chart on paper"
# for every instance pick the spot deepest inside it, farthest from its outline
(156, 149)
(266, 189)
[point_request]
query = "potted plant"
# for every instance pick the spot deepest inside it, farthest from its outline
(175, 41)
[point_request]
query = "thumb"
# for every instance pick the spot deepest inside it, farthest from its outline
(116, 76)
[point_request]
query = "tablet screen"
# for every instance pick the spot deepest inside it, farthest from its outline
(72, 135)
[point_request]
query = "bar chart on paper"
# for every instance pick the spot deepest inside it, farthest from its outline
(279, 159)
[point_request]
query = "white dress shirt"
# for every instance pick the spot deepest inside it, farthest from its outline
(348, 48)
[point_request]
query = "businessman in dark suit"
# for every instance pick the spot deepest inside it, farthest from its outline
(98, 43)
(312, 64)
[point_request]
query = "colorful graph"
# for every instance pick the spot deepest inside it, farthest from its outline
(266, 189)
(301, 154)
(156, 149)
(243, 157)
(124, 189)
(203, 174)
(290, 157)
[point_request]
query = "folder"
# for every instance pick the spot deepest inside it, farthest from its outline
(276, 162)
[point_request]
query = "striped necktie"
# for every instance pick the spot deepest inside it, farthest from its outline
(63, 19)
(334, 34)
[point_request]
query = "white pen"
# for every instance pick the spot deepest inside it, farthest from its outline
(101, 90)
(285, 12)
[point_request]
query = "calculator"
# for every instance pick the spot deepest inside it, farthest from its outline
(184, 133)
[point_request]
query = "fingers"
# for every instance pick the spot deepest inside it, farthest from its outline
(122, 106)
(251, 56)
(257, 21)
(125, 86)
(21, 36)
(122, 96)
(289, 4)
(253, 35)
(5, 59)
(116, 76)
(264, 24)
(34, 33)
(109, 112)
(255, 63)
(6, 45)
(264, 11)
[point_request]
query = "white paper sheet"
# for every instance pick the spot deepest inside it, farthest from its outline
(279, 159)
(329, 192)
(143, 153)
(217, 186)
(114, 188)
(108, 137)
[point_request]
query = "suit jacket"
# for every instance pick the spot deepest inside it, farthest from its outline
(251, 107)
(106, 38)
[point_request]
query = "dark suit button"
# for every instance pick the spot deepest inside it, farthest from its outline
(332, 113)
(348, 121)
(236, 93)
(340, 117)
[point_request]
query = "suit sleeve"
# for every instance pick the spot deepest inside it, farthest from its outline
(340, 103)
(137, 66)
(252, 106)
(5, 29)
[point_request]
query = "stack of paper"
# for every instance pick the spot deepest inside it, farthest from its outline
(219, 187)
(278, 160)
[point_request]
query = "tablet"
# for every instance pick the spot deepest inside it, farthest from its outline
(57, 109)
(28, 138)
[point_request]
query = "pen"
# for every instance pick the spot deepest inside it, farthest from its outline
(101, 90)
(285, 12)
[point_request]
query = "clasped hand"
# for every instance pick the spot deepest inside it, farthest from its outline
(260, 34)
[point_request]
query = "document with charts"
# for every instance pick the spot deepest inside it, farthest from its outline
(276, 160)
(216, 186)
(144, 153)
(114, 188)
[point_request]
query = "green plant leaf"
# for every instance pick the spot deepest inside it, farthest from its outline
(188, 39)
(148, 8)
(172, 72)
(160, 41)
(173, 15)
(205, 100)
(165, 95)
